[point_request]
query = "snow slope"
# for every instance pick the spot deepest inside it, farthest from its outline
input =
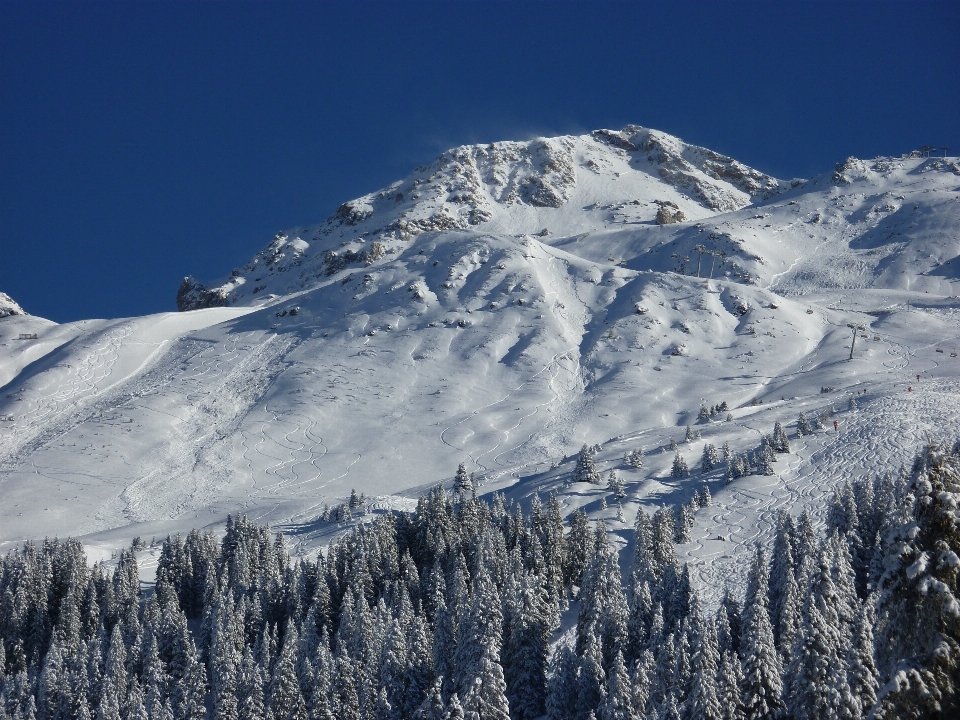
(435, 322)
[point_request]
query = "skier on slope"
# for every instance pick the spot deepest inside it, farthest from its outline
(836, 426)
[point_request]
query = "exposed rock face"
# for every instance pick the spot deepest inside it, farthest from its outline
(669, 213)
(684, 166)
(849, 170)
(194, 296)
(9, 307)
(614, 139)
(665, 216)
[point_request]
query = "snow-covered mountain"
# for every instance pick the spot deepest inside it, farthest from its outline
(501, 307)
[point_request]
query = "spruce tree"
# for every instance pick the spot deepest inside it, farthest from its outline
(562, 683)
(781, 568)
(918, 618)
(462, 483)
(526, 649)
(643, 680)
(679, 468)
(576, 548)
(591, 681)
(618, 703)
(703, 700)
(780, 442)
(729, 681)
(585, 470)
(862, 672)
(486, 697)
(761, 689)
(616, 485)
(432, 706)
(286, 698)
(707, 458)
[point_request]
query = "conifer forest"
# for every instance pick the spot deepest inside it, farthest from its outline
(464, 609)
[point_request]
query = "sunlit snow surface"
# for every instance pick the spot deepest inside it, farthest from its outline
(496, 346)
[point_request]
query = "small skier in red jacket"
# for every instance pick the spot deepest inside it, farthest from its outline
(836, 426)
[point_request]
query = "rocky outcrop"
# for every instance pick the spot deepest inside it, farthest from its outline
(669, 213)
(9, 307)
(849, 170)
(192, 295)
(712, 179)
(335, 262)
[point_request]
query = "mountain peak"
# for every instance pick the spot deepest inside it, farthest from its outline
(8, 306)
(507, 188)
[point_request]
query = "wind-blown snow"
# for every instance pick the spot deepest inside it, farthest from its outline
(501, 307)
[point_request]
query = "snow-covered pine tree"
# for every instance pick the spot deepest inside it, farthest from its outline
(481, 634)
(724, 633)
(709, 459)
(861, 670)
(642, 685)
(462, 483)
(618, 702)
(591, 680)
(444, 637)
(765, 457)
(586, 470)
(918, 616)
(817, 670)
(679, 468)
(432, 706)
(603, 605)
(526, 648)
(392, 667)
(781, 567)
(664, 565)
(689, 436)
(780, 442)
(486, 698)
(704, 414)
(616, 485)
(454, 709)
(803, 426)
(703, 701)
(286, 698)
(562, 683)
(729, 680)
(665, 670)
(633, 459)
(762, 686)
(576, 548)
(345, 700)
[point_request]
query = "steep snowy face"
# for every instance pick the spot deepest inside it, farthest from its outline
(8, 306)
(559, 186)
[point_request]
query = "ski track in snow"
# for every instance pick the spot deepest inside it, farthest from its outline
(879, 437)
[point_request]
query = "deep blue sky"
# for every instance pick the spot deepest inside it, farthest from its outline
(140, 142)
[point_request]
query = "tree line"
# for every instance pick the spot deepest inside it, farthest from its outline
(450, 612)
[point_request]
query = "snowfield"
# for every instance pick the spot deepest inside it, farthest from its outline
(501, 307)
